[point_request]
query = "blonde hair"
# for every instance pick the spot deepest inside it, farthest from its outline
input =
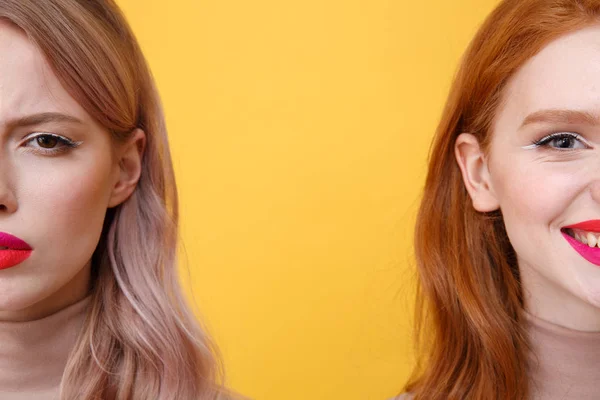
(140, 340)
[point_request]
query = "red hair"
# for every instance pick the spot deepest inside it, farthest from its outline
(469, 333)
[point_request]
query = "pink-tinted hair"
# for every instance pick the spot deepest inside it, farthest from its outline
(140, 340)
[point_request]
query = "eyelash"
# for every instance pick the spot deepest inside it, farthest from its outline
(543, 142)
(67, 144)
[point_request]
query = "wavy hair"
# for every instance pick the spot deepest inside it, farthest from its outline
(469, 331)
(140, 340)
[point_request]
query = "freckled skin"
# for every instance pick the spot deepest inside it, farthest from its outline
(541, 190)
(57, 204)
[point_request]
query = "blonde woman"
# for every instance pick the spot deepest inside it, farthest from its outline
(90, 304)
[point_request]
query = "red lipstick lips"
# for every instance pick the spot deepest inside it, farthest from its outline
(13, 250)
(592, 225)
(592, 254)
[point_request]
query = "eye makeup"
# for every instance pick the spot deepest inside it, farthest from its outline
(563, 139)
(66, 144)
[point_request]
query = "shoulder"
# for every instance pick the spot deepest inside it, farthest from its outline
(403, 396)
(229, 395)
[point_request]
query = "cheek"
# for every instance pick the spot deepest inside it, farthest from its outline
(534, 199)
(66, 205)
(536, 194)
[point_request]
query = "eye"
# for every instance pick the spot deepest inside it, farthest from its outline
(50, 143)
(561, 141)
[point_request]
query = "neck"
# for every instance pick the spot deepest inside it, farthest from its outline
(564, 363)
(33, 354)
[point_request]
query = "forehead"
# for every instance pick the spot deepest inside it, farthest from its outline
(565, 74)
(27, 83)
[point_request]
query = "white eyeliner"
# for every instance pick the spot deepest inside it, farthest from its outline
(530, 147)
(552, 136)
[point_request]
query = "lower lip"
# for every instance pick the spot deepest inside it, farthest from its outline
(10, 258)
(592, 254)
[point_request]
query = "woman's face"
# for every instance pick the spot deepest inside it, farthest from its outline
(542, 183)
(52, 196)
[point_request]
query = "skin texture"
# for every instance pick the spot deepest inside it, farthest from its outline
(542, 189)
(56, 203)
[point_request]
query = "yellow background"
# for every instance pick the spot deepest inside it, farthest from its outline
(300, 131)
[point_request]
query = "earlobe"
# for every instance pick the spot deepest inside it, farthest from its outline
(129, 165)
(476, 178)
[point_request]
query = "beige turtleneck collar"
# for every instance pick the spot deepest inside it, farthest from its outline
(567, 365)
(33, 354)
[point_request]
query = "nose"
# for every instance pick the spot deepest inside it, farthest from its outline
(595, 190)
(8, 201)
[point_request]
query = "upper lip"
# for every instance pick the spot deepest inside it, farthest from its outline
(13, 242)
(592, 225)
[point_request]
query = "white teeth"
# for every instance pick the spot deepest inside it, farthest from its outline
(591, 240)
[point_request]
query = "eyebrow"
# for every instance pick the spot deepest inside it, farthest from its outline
(41, 118)
(562, 116)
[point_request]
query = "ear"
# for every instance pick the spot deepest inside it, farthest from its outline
(475, 173)
(129, 157)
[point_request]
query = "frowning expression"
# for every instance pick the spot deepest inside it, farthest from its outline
(57, 172)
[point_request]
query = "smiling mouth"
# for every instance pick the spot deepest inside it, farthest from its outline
(592, 239)
(584, 242)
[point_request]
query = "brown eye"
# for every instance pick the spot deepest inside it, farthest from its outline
(47, 141)
(51, 144)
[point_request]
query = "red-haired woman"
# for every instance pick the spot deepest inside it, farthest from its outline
(507, 236)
